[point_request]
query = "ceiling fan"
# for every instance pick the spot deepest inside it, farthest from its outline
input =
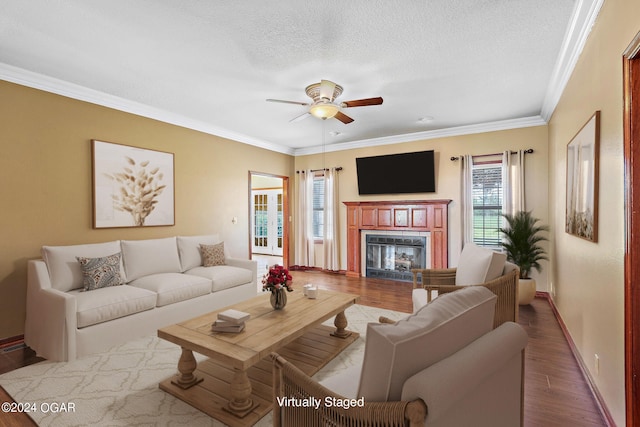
(324, 105)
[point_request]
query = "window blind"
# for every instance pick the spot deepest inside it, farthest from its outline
(487, 204)
(318, 207)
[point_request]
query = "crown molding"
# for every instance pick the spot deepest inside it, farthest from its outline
(430, 134)
(584, 16)
(70, 90)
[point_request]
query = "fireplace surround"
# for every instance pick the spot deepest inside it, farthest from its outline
(423, 216)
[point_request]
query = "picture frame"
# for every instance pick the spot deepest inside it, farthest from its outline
(583, 153)
(132, 187)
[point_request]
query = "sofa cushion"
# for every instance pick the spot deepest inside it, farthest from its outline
(479, 265)
(101, 272)
(212, 255)
(111, 303)
(152, 256)
(64, 269)
(173, 287)
(395, 352)
(223, 276)
(189, 249)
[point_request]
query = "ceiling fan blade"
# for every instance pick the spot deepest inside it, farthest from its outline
(362, 102)
(288, 102)
(343, 118)
(326, 89)
(300, 117)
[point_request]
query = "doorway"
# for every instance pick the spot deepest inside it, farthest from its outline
(631, 124)
(269, 219)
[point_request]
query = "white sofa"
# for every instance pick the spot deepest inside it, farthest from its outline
(443, 366)
(165, 282)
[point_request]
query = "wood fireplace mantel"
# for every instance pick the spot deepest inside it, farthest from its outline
(413, 215)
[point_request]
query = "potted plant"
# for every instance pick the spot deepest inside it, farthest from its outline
(521, 238)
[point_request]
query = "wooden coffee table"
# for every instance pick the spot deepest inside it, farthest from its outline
(234, 384)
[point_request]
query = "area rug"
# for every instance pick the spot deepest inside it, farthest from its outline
(120, 387)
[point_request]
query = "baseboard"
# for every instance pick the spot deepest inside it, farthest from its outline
(11, 341)
(304, 268)
(576, 355)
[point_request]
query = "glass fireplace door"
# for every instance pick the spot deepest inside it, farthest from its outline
(393, 257)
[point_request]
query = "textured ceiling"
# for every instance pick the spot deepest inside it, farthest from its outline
(211, 64)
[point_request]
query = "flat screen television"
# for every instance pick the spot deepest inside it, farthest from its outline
(397, 173)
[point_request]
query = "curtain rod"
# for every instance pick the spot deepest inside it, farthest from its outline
(528, 151)
(338, 168)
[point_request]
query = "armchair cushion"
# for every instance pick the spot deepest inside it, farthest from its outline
(479, 265)
(395, 352)
(485, 378)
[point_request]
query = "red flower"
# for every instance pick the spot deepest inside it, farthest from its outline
(277, 278)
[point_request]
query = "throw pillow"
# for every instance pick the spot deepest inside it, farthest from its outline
(189, 249)
(100, 272)
(212, 255)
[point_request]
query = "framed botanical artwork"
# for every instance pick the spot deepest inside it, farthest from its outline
(583, 154)
(132, 187)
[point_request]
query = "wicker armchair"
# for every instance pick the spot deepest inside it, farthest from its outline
(291, 382)
(443, 281)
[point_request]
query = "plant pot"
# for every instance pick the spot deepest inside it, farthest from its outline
(278, 299)
(526, 291)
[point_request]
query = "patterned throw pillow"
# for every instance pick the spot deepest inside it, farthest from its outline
(100, 272)
(212, 254)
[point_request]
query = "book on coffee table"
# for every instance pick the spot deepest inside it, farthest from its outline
(234, 316)
(224, 326)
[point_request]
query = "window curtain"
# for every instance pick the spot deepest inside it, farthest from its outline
(304, 251)
(331, 214)
(513, 182)
(466, 215)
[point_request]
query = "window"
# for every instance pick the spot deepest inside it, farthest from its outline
(318, 207)
(487, 204)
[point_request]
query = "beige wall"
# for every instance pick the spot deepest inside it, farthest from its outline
(447, 177)
(588, 277)
(45, 176)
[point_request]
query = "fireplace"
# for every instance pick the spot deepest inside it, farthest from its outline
(410, 217)
(393, 256)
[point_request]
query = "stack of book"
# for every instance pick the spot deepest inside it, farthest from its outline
(230, 321)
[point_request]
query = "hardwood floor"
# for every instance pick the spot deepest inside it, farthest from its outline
(556, 393)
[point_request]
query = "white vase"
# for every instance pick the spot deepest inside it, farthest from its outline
(526, 291)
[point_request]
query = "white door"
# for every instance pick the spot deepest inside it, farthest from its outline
(266, 220)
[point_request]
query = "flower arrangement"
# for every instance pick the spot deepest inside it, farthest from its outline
(277, 278)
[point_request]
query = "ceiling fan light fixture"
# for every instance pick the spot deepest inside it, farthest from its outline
(324, 110)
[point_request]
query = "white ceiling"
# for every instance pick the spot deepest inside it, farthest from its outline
(464, 65)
